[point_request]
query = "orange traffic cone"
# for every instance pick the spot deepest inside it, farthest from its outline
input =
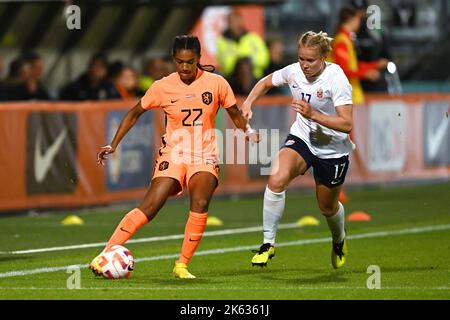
(359, 216)
(343, 198)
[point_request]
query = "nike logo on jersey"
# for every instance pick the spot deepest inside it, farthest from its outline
(435, 138)
(43, 161)
(174, 100)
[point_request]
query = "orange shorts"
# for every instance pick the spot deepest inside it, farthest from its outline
(182, 172)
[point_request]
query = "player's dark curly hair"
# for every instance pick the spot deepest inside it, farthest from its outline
(188, 42)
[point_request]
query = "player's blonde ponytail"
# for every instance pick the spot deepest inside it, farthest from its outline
(313, 39)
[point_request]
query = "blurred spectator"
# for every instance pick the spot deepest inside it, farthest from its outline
(235, 43)
(2, 66)
(242, 79)
(92, 85)
(404, 14)
(24, 79)
(154, 69)
(125, 82)
(170, 65)
(371, 45)
(2, 69)
(276, 51)
(34, 86)
(344, 54)
(114, 68)
(14, 86)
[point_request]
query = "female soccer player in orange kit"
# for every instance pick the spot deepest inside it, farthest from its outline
(190, 98)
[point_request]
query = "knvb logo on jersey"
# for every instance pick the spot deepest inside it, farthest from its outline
(163, 166)
(51, 152)
(207, 98)
(436, 134)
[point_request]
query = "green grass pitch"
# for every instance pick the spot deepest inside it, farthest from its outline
(408, 238)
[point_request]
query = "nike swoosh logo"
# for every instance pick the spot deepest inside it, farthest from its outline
(335, 182)
(43, 162)
(174, 100)
(193, 240)
(122, 229)
(435, 138)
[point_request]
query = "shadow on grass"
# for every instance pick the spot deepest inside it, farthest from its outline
(331, 278)
(292, 276)
(13, 258)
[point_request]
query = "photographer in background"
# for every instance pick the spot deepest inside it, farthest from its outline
(370, 45)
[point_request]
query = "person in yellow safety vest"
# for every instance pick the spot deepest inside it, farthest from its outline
(236, 43)
(343, 53)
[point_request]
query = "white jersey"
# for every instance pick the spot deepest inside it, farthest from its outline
(329, 90)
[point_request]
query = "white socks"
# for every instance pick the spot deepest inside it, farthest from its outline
(272, 212)
(336, 224)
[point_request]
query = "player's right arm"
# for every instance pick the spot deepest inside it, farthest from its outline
(125, 125)
(260, 89)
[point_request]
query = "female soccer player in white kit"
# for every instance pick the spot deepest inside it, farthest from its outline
(322, 98)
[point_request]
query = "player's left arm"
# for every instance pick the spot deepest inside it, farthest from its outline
(241, 123)
(342, 121)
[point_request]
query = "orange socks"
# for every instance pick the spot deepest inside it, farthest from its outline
(193, 233)
(135, 219)
(131, 223)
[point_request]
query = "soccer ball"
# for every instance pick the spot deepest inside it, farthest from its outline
(116, 262)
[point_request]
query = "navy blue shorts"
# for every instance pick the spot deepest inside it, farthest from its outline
(329, 172)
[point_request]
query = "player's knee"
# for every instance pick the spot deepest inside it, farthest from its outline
(199, 205)
(278, 182)
(328, 209)
(149, 210)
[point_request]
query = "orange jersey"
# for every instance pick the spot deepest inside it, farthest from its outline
(190, 111)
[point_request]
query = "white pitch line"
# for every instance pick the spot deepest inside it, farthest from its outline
(193, 288)
(151, 239)
(377, 234)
